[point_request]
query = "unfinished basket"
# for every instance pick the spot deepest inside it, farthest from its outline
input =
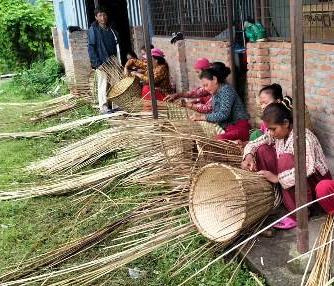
(178, 113)
(219, 152)
(211, 130)
(224, 201)
(127, 94)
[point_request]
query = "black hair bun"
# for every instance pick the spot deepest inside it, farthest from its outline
(222, 69)
(278, 88)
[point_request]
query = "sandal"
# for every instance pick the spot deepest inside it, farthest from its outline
(267, 233)
(286, 223)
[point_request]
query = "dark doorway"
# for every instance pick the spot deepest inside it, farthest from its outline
(118, 17)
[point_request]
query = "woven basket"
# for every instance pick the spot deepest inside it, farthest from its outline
(177, 113)
(211, 130)
(219, 152)
(127, 94)
(225, 202)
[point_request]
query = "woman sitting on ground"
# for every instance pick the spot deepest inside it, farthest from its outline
(161, 74)
(228, 111)
(271, 94)
(272, 155)
(204, 104)
(199, 94)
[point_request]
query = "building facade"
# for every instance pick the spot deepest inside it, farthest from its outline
(204, 25)
(71, 47)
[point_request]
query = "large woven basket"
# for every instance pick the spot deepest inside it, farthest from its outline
(127, 94)
(225, 202)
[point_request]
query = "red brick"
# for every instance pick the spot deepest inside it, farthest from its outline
(261, 67)
(326, 67)
(320, 47)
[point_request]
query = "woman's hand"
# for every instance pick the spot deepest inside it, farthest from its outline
(126, 71)
(249, 163)
(269, 176)
(188, 105)
(198, 117)
(137, 74)
(171, 97)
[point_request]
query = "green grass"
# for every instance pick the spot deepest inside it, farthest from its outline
(32, 227)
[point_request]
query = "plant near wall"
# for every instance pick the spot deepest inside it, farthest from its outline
(43, 78)
(25, 33)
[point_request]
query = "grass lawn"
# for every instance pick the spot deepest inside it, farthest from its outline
(31, 227)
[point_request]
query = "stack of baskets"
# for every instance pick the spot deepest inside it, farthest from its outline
(226, 202)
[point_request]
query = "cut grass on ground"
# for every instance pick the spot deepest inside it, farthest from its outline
(29, 228)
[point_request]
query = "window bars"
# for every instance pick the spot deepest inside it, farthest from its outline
(208, 18)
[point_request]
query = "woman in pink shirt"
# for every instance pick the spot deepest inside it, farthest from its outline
(198, 94)
(272, 155)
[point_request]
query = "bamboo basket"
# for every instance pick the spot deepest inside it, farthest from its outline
(176, 113)
(225, 202)
(219, 152)
(127, 94)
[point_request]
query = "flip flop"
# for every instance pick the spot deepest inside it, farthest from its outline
(286, 223)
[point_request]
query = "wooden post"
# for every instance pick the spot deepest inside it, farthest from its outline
(231, 39)
(297, 65)
(144, 15)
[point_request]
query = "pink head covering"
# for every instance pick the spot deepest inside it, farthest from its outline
(202, 64)
(157, 53)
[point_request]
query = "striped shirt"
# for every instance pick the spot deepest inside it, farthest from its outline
(315, 158)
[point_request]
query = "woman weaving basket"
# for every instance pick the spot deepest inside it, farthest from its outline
(272, 155)
(228, 111)
(161, 75)
(199, 99)
(198, 96)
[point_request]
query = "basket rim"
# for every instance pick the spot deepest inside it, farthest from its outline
(110, 94)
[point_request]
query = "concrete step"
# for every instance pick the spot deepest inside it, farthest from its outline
(269, 256)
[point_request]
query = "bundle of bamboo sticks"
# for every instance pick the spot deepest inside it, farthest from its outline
(320, 274)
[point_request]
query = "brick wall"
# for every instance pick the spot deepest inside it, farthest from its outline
(198, 48)
(75, 58)
(79, 55)
(319, 91)
(137, 38)
(176, 58)
(271, 62)
(182, 56)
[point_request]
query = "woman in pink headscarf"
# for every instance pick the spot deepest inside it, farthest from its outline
(161, 74)
(198, 97)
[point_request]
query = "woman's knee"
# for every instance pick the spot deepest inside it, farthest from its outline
(324, 188)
